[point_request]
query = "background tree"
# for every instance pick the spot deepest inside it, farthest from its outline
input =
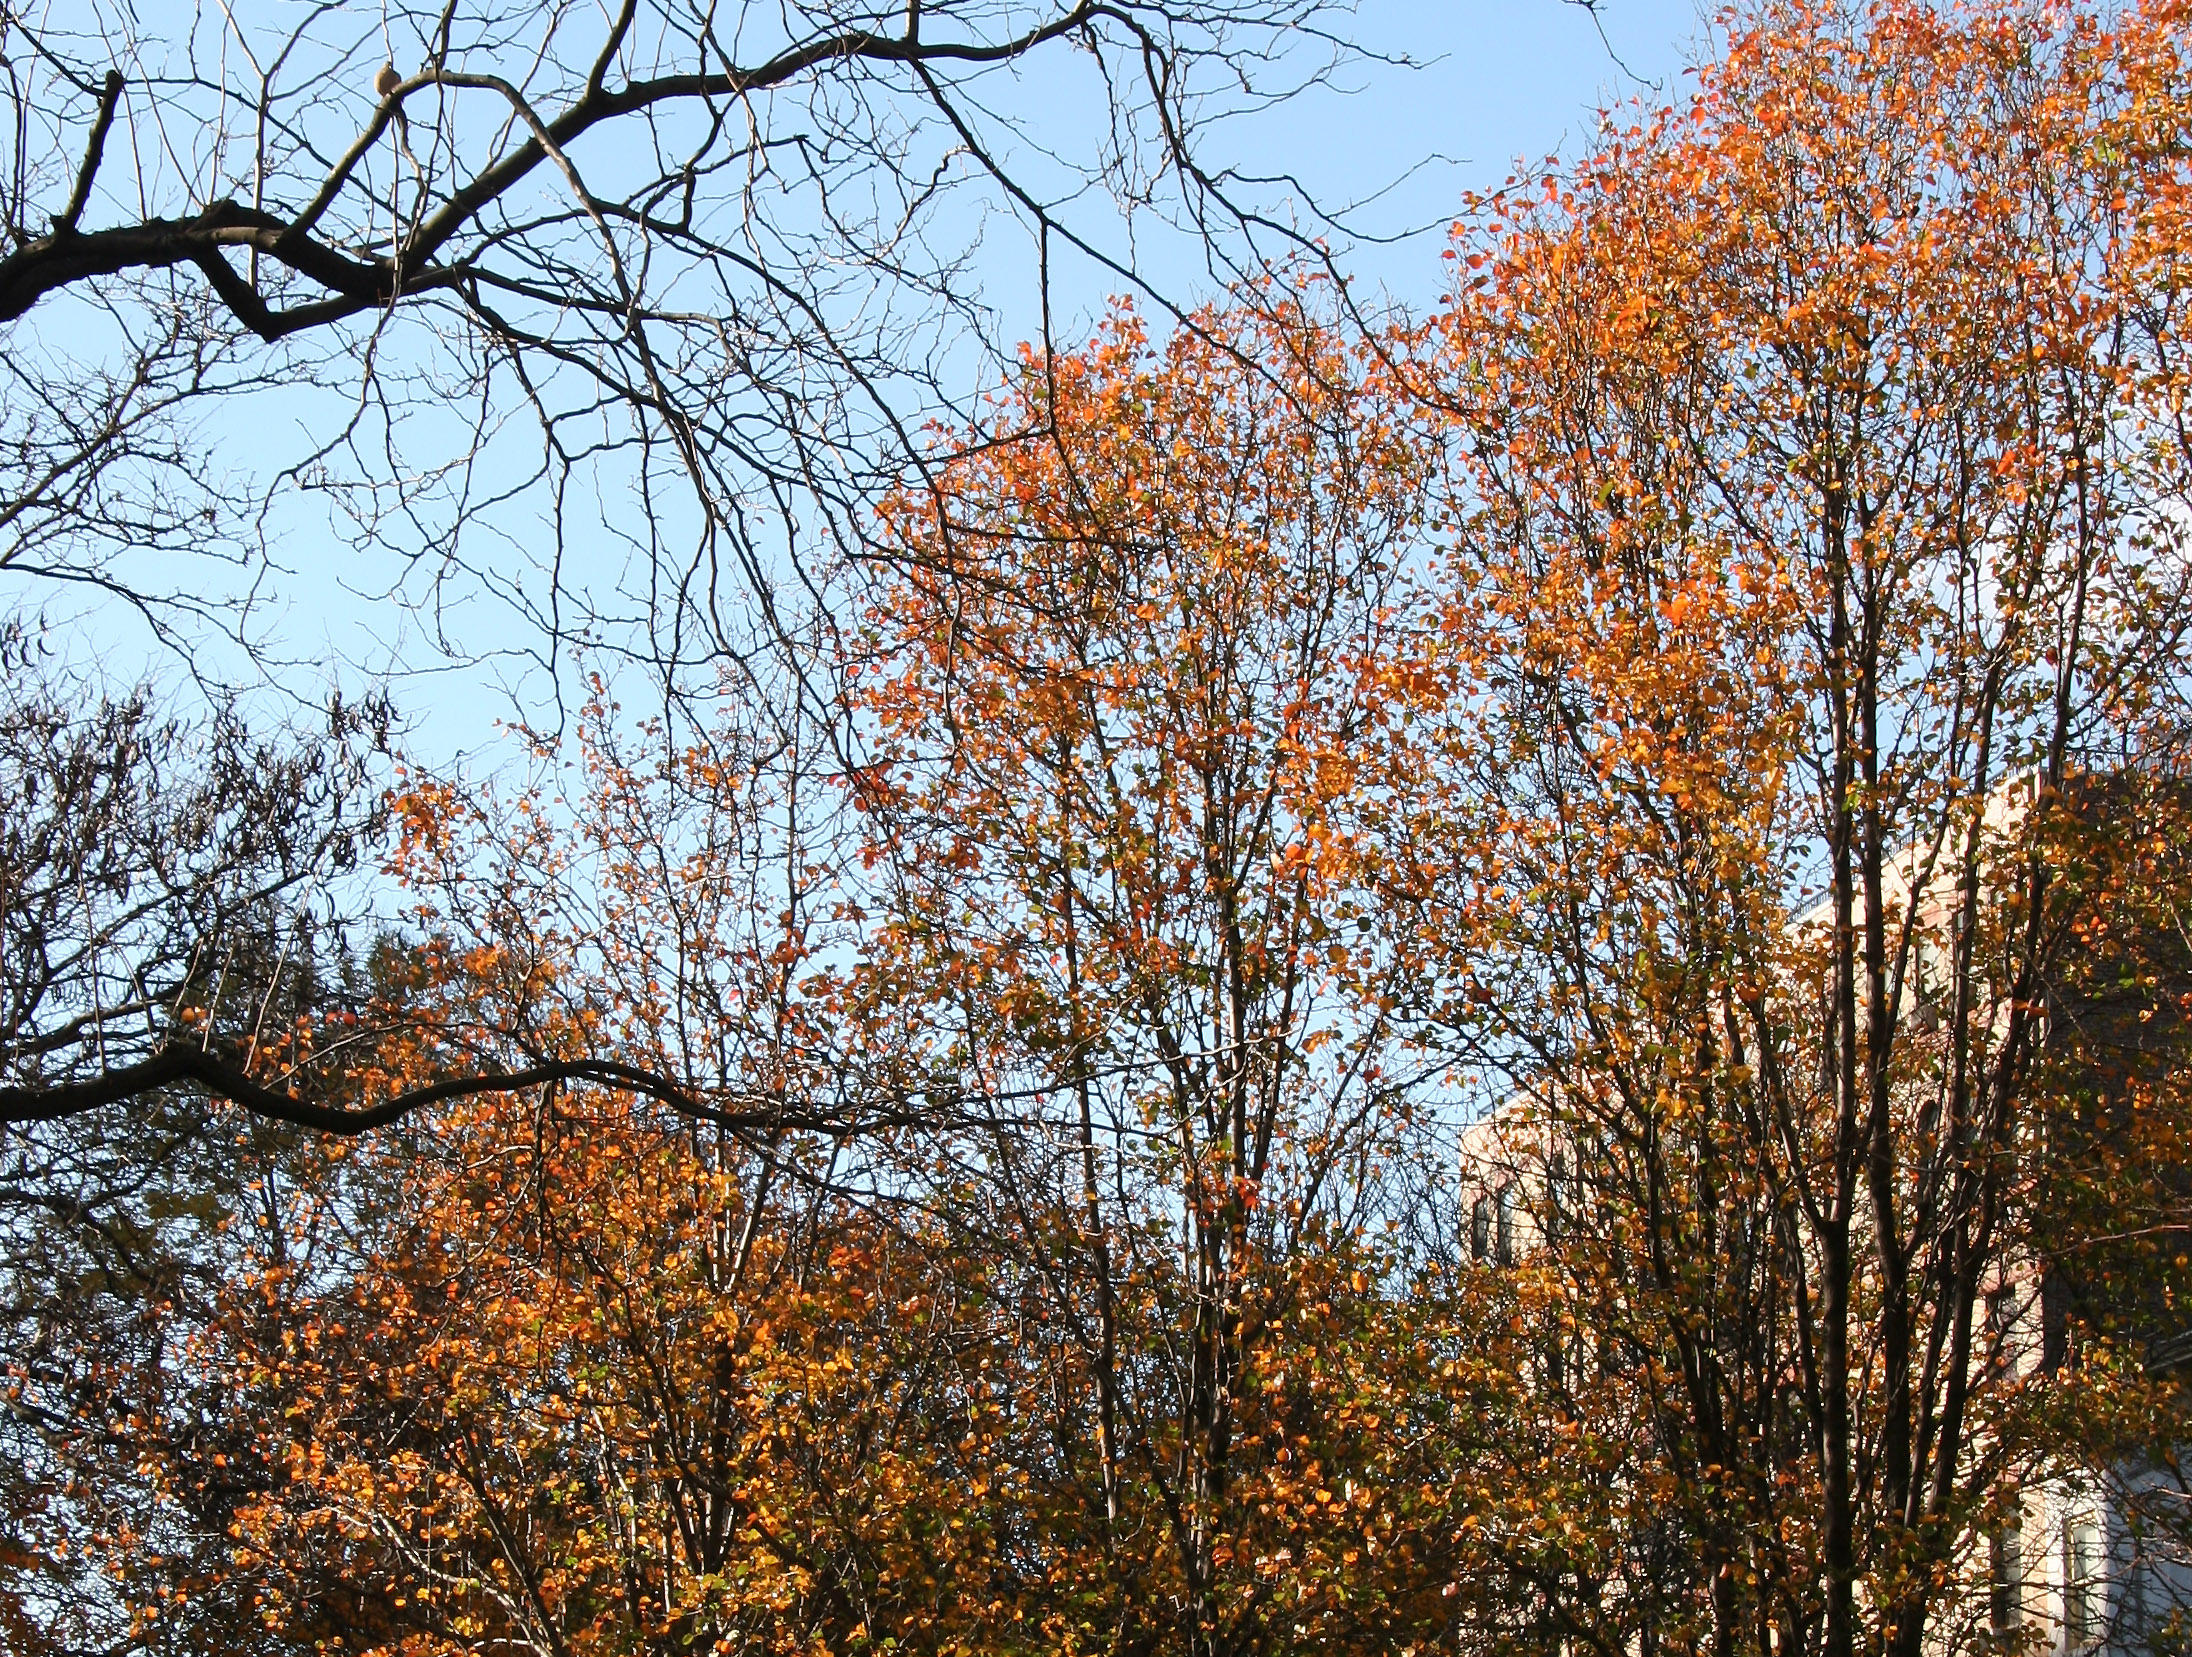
(1119, 704)
(637, 936)
(1818, 611)
(160, 882)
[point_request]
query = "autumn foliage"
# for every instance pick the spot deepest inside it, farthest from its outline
(993, 1170)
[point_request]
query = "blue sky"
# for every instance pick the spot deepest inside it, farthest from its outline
(1497, 80)
(1487, 83)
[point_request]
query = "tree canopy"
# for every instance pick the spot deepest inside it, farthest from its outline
(1506, 982)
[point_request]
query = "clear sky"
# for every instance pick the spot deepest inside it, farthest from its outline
(1496, 80)
(1453, 93)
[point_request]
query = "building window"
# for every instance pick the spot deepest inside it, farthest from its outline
(2055, 1351)
(2081, 1584)
(1507, 1225)
(2006, 1578)
(1480, 1229)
